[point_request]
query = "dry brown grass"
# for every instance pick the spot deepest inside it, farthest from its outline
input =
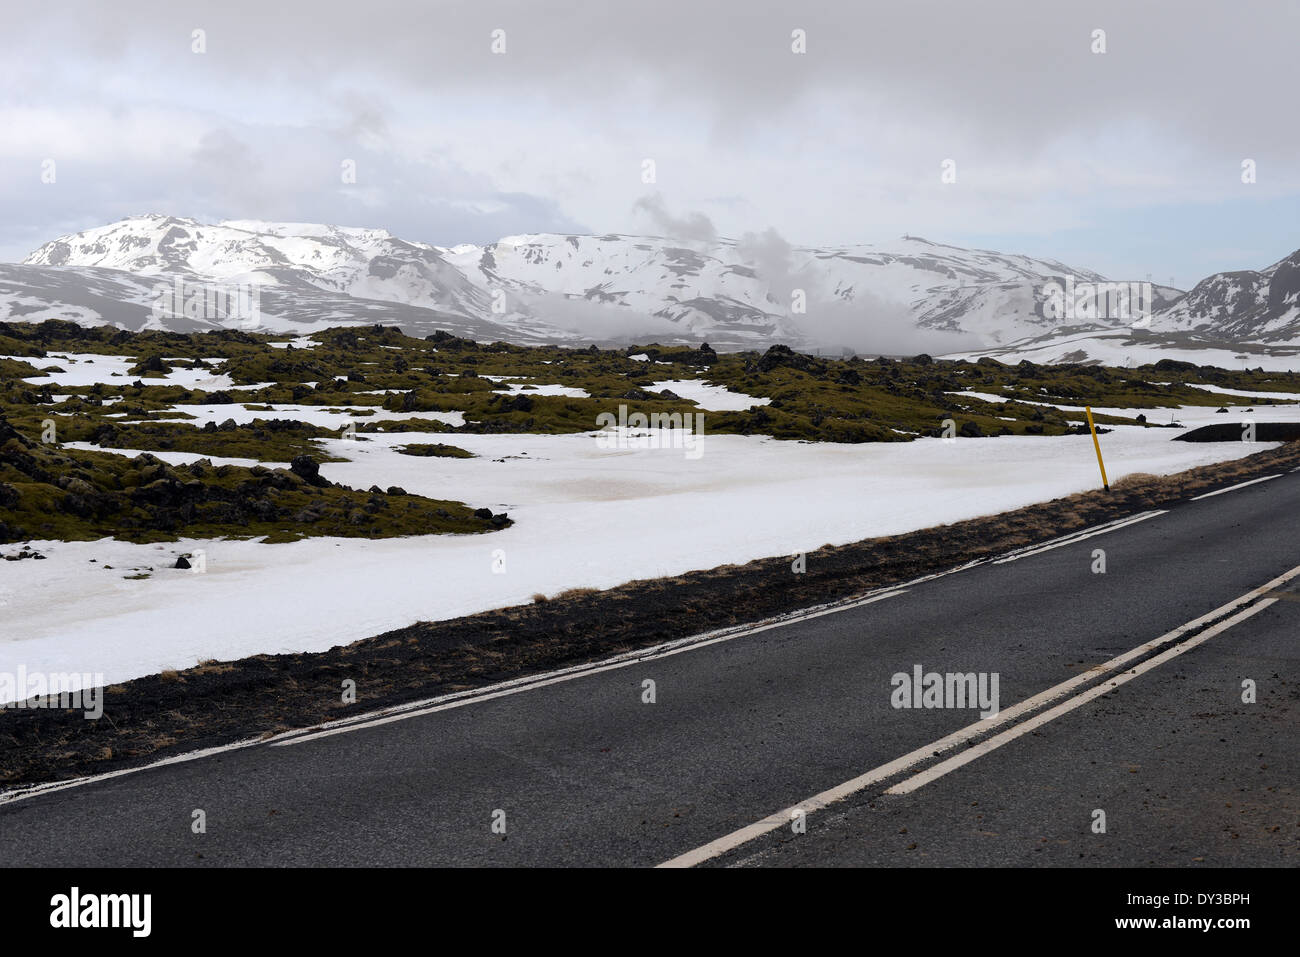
(540, 599)
(576, 593)
(1138, 480)
(1016, 530)
(211, 666)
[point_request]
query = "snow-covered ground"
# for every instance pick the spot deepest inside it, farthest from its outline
(585, 516)
(529, 387)
(1121, 349)
(302, 342)
(1219, 390)
(710, 398)
(326, 416)
(82, 369)
(1190, 416)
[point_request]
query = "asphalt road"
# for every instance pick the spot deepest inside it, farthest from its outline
(584, 771)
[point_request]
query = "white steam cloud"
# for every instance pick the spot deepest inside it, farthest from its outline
(866, 323)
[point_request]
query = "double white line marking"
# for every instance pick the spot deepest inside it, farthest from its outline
(1186, 637)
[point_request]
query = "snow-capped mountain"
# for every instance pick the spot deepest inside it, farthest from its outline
(1261, 306)
(746, 293)
(546, 287)
(740, 287)
(364, 264)
(1246, 319)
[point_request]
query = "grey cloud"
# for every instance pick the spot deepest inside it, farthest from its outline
(596, 320)
(869, 324)
(772, 258)
(366, 118)
(1186, 89)
(692, 227)
(230, 169)
(1007, 74)
(272, 174)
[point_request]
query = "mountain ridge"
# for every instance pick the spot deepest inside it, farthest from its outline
(913, 294)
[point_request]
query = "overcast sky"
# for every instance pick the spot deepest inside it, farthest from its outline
(1128, 162)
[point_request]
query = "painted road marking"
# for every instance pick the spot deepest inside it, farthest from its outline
(1233, 488)
(541, 681)
(912, 759)
(1038, 720)
(1080, 536)
(51, 787)
(443, 702)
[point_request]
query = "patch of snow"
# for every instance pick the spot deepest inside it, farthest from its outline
(1218, 390)
(545, 389)
(329, 417)
(710, 398)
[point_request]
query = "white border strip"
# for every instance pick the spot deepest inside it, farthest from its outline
(1080, 536)
(1233, 488)
(919, 756)
(35, 790)
(443, 702)
(541, 681)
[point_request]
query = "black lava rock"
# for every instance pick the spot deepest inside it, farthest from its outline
(307, 469)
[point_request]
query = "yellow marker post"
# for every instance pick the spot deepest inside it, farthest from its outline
(1097, 445)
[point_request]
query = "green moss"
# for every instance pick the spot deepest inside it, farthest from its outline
(435, 450)
(366, 371)
(266, 440)
(17, 369)
(51, 492)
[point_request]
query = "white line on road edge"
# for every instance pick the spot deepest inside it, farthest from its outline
(427, 705)
(817, 802)
(1080, 536)
(519, 685)
(1067, 538)
(50, 787)
(411, 708)
(1233, 488)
